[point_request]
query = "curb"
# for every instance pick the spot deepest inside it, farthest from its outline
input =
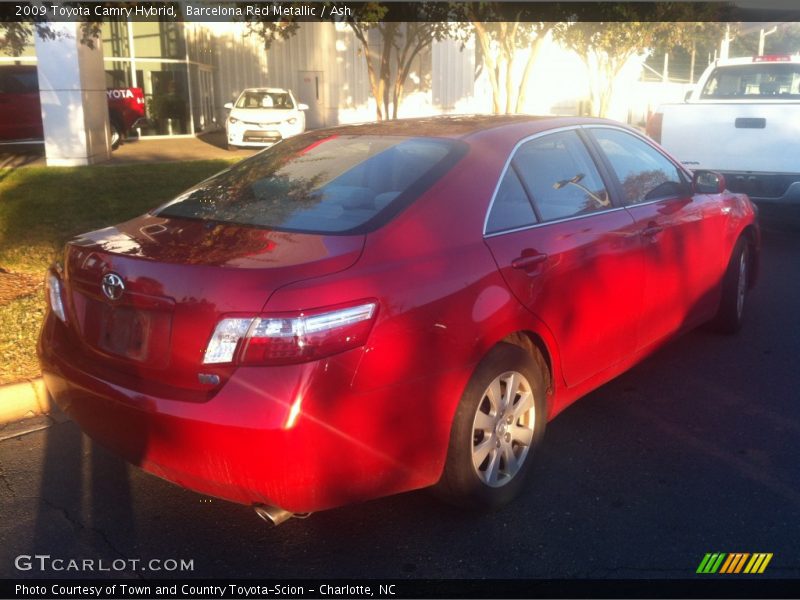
(22, 400)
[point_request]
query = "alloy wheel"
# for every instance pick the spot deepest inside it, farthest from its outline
(502, 430)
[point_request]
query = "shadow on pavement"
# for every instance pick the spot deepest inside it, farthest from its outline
(13, 156)
(84, 496)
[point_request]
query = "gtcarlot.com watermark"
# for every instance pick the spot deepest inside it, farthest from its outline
(45, 563)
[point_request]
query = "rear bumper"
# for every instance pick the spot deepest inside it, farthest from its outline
(297, 437)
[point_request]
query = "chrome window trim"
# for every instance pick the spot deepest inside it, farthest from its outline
(545, 223)
(505, 170)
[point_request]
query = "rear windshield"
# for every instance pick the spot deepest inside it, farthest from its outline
(320, 183)
(758, 80)
(264, 100)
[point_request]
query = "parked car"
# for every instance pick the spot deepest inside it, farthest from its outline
(263, 117)
(742, 119)
(371, 309)
(21, 115)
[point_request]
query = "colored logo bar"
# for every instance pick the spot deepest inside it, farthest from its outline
(736, 562)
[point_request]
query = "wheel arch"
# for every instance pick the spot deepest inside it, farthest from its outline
(536, 347)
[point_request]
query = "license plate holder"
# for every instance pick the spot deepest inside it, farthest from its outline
(125, 331)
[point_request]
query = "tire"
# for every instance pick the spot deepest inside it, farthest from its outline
(730, 313)
(116, 135)
(478, 471)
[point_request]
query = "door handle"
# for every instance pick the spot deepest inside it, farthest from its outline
(528, 261)
(652, 231)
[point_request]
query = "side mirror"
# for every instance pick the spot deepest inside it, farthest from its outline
(687, 96)
(228, 105)
(302, 106)
(708, 182)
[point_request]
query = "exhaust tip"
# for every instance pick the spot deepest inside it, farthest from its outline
(272, 514)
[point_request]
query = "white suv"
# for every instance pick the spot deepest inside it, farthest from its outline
(264, 116)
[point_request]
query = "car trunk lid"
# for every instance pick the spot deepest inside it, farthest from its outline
(145, 296)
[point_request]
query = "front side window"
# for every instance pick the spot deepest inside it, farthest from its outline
(560, 176)
(318, 183)
(756, 81)
(643, 172)
(257, 99)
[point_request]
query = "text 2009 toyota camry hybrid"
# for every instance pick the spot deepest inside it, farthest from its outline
(365, 310)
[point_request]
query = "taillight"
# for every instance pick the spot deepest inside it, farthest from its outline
(280, 339)
(653, 128)
(55, 295)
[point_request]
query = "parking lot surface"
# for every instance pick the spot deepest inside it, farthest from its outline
(693, 451)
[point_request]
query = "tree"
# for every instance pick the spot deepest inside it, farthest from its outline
(500, 35)
(689, 42)
(605, 48)
(632, 29)
(271, 31)
(405, 30)
(14, 37)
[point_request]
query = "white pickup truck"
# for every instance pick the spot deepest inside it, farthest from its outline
(743, 120)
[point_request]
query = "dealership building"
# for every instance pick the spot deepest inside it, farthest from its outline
(188, 71)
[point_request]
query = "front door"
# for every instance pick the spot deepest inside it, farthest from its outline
(680, 238)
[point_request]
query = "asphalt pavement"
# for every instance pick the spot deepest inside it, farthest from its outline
(695, 450)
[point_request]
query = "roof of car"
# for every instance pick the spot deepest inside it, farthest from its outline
(266, 89)
(460, 126)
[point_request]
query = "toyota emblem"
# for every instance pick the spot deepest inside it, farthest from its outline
(113, 286)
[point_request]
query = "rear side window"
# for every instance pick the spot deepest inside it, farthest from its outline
(511, 208)
(758, 80)
(643, 172)
(561, 177)
(320, 183)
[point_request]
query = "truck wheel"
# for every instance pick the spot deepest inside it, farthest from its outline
(497, 426)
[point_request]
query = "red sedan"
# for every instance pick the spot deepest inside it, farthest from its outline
(365, 310)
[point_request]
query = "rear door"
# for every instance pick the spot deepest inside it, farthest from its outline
(567, 252)
(681, 234)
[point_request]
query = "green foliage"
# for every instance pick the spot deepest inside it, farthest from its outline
(42, 207)
(15, 37)
(20, 321)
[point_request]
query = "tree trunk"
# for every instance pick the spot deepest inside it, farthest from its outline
(490, 62)
(388, 35)
(510, 95)
(536, 48)
(373, 78)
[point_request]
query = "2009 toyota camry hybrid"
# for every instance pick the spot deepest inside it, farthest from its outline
(365, 310)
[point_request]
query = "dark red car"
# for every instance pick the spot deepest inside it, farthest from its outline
(366, 310)
(21, 112)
